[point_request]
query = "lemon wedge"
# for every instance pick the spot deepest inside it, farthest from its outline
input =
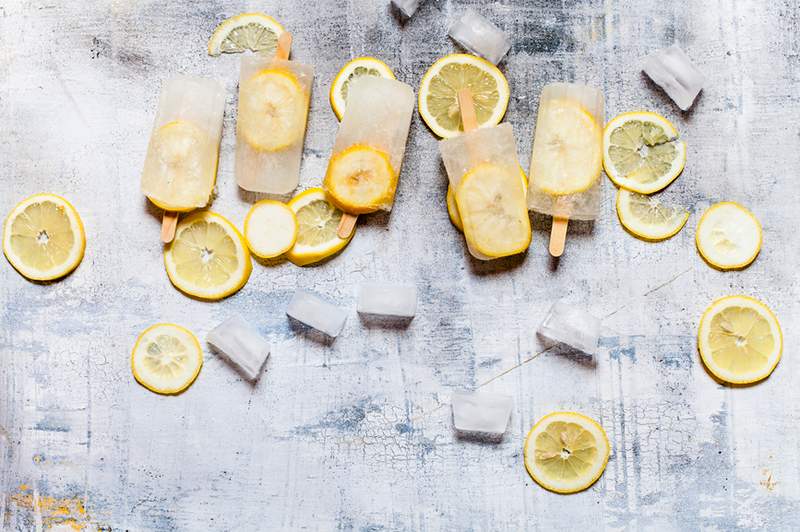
(272, 109)
(270, 229)
(166, 358)
(208, 258)
(728, 236)
(317, 222)
(256, 32)
(740, 340)
(566, 452)
(43, 237)
(646, 217)
(642, 152)
(360, 179)
(360, 66)
(438, 93)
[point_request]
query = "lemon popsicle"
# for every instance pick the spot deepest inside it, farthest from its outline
(567, 157)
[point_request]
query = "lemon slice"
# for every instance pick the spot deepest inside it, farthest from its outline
(642, 152)
(740, 340)
(270, 229)
(646, 217)
(566, 452)
(438, 93)
(43, 237)
(728, 236)
(272, 109)
(256, 32)
(452, 207)
(360, 66)
(208, 258)
(166, 358)
(317, 222)
(567, 153)
(360, 179)
(493, 211)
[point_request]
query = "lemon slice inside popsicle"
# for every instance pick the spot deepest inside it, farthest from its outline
(272, 110)
(360, 179)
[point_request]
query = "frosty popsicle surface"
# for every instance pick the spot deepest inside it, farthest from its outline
(181, 163)
(368, 152)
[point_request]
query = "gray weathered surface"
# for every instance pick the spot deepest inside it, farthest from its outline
(357, 434)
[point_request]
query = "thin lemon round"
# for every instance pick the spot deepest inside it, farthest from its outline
(272, 110)
(740, 340)
(360, 66)
(317, 221)
(256, 32)
(642, 152)
(452, 207)
(647, 218)
(566, 452)
(438, 93)
(360, 179)
(43, 237)
(208, 258)
(270, 229)
(728, 236)
(567, 155)
(166, 358)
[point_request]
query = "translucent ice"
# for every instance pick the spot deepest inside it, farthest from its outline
(241, 344)
(479, 36)
(672, 70)
(407, 7)
(481, 412)
(571, 325)
(315, 312)
(392, 300)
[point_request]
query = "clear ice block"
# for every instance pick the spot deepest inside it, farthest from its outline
(407, 7)
(241, 344)
(473, 153)
(382, 299)
(315, 312)
(565, 180)
(573, 326)
(181, 163)
(481, 412)
(271, 123)
(672, 70)
(479, 36)
(378, 116)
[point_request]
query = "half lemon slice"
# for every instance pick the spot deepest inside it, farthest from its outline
(43, 237)
(272, 109)
(740, 340)
(360, 66)
(208, 258)
(270, 229)
(166, 358)
(256, 32)
(566, 452)
(728, 236)
(317, 222)
(642, 152)
(646, 217)
(360, 179)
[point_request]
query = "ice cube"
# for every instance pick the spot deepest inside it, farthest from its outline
(481, 412)
(571, 325)
(479, 36)
(407, 7)
(241, 344)
(672, 70)
(315, 312)
(381, 299)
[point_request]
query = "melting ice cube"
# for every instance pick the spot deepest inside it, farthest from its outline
(571, 325)
(315, 312)
(407, 7)
(381, 299)
(479, 36)
(672, 70)
(481, 412)
(241, 344)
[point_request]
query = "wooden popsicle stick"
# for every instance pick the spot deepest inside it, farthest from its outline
(346, 225)
(469, 120)
(169, 222)
(284, 46)
(558, 235)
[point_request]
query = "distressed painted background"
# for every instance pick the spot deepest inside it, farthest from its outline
(356, 434)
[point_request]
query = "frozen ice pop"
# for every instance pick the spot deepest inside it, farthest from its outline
(567, 157)
(181, 163)
(271, 122)
(363, 170)
(485, 174)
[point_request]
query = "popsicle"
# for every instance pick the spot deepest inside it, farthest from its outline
(484, 172)
(181, 163)
(271, 121)
(567, 157)
(368, 152)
